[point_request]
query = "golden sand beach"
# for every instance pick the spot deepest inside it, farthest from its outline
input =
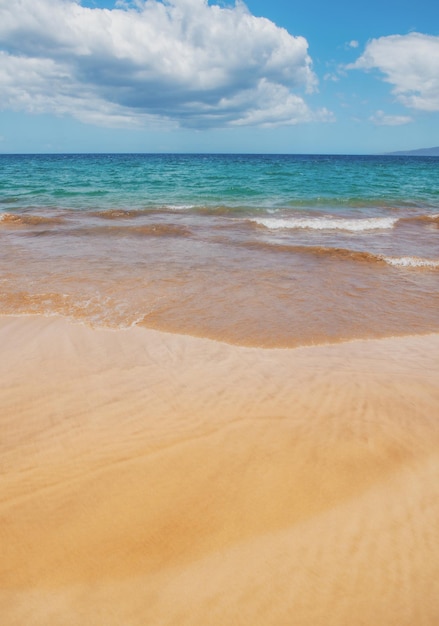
(153, 479)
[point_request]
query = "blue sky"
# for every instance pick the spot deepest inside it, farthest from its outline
(198, 76)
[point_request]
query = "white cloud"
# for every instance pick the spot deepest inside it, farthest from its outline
(179, 62)
(353, 43)
(410, 63)
(332, 77)
(381, 119)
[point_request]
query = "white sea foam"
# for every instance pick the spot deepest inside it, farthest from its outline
(180, 207)
(410, 261)
(327, 223)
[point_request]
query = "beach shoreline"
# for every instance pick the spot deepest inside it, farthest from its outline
(152, 478)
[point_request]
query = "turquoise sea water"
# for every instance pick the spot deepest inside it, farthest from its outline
(256, 249)
(261, 182)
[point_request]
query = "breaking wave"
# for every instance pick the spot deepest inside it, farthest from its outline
(344, 254)
(409, 261)
(327, 223)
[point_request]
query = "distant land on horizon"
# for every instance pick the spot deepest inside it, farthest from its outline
(419, 152)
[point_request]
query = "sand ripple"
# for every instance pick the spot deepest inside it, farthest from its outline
(157, 479)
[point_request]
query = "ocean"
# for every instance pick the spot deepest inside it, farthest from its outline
(257, 250)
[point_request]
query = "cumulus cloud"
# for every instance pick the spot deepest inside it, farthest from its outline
(176, 62)
(410, 63)
(381, 119)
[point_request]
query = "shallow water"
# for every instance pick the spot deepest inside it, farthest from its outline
(259, 250)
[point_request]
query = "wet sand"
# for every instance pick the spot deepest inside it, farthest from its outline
(158, 479)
